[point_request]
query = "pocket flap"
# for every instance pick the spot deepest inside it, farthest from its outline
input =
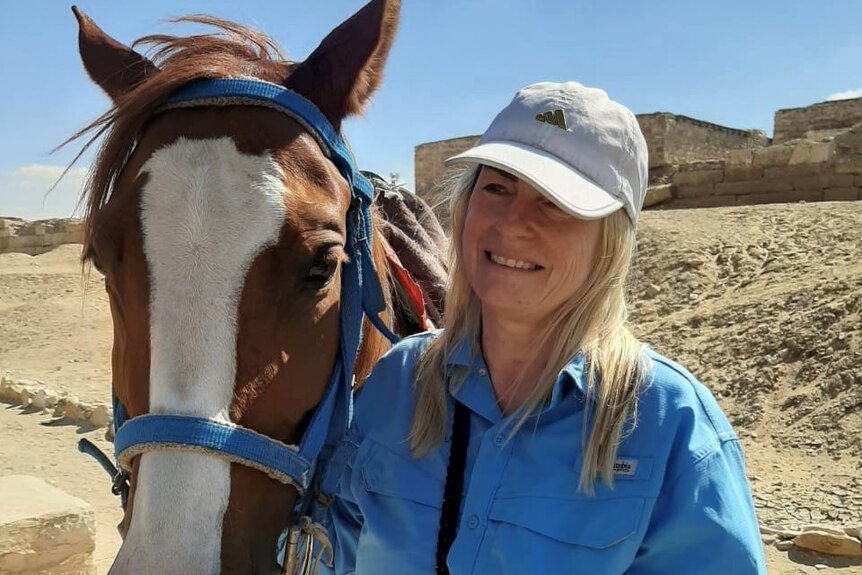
(591, 522)
(388, 473)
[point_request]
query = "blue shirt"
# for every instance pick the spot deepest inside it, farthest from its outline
(681, 501)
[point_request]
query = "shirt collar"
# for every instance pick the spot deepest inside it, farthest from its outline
(476, 391)
(463, 353)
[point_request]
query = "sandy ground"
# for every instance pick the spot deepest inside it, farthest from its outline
(763, 304)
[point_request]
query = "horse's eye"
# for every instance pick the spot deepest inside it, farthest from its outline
(322, 268)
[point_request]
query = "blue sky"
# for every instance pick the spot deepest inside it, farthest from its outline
(454, 64)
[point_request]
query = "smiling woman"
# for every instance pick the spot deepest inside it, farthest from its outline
(536, 434)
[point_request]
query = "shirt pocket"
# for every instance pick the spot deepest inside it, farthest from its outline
(566, 534)
(400, 476)
(593, 523)
(399, 498)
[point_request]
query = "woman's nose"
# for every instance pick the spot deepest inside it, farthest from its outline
(518, 217)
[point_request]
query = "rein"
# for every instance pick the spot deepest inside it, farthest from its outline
(361, 296)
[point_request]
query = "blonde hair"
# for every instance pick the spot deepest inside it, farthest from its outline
(592, 322)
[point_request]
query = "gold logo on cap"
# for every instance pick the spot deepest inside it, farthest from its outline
(555, 118)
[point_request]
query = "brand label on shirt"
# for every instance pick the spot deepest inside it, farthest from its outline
(626, 467)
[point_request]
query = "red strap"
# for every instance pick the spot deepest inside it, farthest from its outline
(411, 289)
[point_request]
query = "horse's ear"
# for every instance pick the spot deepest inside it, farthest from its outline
(347, 67)
(116, 68)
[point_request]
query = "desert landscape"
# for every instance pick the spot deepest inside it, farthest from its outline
(762, 303)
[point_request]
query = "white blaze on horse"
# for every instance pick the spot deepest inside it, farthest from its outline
(238, 250)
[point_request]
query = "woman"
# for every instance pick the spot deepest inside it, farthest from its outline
(536, 434)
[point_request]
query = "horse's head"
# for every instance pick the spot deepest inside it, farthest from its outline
(221, 233)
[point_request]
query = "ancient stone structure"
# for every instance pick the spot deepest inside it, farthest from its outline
(43, 530)
(429, 171)
(815, 155)
(819, 122)
(674, 140)
(34, 238)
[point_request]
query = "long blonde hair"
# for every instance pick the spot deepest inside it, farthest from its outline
(592, 322)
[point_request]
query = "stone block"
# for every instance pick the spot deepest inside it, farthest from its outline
(5, 244)
(59, 239)
(697, 177)
(658, 194)
(823, 528)
(23, 242)
(811, 153)
(738, 173)
(823, 181)
(44, 530)
(798, 171)
(100, 416)
(829, 543)
(857, 181)
(694, 191)
(5, 232)
(10, 391)
(841, 194)
(849, 167)
(765, 185)
(772, 156)
(73, 226)
(740, 158)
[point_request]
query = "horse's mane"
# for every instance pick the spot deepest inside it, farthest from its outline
(232, 50)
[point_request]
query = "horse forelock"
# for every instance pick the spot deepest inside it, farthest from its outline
(233, 50)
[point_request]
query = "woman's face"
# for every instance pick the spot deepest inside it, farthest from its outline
(524, 256)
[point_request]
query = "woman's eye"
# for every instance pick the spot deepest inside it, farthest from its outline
(548, 204)
(495, 189)
(322, 269)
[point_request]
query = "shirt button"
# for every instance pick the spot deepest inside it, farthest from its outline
(499, 440)
(473, 522)
(483, 372)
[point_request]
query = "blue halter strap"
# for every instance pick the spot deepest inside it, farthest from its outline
(361, 295)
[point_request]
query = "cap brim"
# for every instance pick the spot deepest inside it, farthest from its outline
(573, 192)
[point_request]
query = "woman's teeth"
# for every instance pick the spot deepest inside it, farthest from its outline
(517, 264)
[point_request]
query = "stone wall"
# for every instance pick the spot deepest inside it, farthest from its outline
(818, 122)
(673, 139)
(34, 238)
(801, 171)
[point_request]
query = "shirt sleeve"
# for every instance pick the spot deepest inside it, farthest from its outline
(704, 521)
(344, 519)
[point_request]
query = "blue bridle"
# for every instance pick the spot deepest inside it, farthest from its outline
(361, 295)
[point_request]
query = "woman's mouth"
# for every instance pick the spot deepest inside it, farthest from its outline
(512, 263)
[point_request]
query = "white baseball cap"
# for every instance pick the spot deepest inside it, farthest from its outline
(581, 149)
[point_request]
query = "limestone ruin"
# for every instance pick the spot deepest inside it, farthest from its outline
(17, 235)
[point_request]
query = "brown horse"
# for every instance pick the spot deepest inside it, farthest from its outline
(220, 231)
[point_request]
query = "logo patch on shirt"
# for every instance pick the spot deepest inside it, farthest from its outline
(627, 467)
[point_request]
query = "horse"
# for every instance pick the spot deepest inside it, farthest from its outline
(241, 259)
